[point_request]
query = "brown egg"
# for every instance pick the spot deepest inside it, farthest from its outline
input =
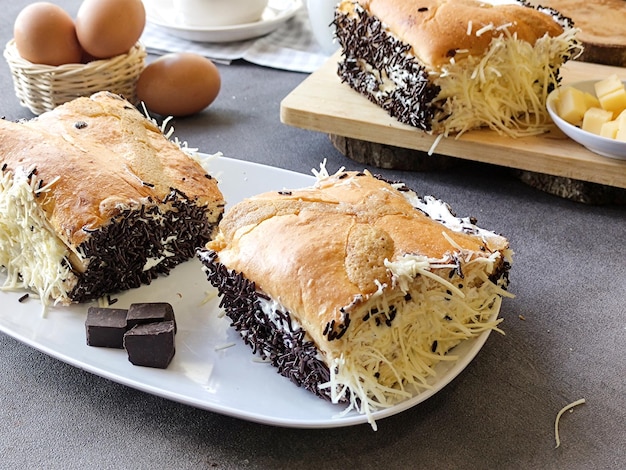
(106, 28)
(44, 34)
(179, 84)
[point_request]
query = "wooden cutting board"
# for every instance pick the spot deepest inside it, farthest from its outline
(322, 103)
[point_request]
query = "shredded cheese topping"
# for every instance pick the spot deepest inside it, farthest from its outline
(31, 255)
(389, 360)
(505, 89)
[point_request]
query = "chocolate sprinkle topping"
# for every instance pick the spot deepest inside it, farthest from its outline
(288, 349)
(119, 252)
(364, 39)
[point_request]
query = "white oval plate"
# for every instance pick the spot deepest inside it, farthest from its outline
(161, 13)
(212, 368)
(601, 145)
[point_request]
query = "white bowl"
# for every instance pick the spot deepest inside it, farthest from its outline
(597, 144)
(219, 13)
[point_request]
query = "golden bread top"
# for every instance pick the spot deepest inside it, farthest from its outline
(437, 28)
(319, 249)
(107, 157)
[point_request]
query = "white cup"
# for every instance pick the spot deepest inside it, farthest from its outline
(217, 13)
(321, 14)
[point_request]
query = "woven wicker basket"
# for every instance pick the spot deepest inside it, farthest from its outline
(43, 87)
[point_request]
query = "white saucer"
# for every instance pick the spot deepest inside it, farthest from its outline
(161, 13)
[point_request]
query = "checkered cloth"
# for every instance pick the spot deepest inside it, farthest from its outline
(290, 47)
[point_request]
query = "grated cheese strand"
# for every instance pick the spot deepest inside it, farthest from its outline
(558, 417)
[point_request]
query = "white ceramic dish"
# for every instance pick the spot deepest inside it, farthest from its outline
(595, 143)
(214, 13)
(162, 13)
(212, 368)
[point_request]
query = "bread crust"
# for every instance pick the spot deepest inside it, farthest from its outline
(321, 251)
(107, 157)
(436, 29)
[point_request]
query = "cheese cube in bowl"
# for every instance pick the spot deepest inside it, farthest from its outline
(596, 122)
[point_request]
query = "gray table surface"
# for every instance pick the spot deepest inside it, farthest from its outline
(565, 336)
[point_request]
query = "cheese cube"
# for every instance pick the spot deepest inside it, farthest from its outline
(609, 129)
(614, 101)
(621, 127)
(608, 85)
(591, 101)
(594, 118)
(571, 105)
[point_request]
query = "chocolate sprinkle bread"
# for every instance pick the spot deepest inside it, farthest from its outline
(95, 199)
(355, 288)
(446, 67)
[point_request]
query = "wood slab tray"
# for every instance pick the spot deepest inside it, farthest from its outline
(322, 103)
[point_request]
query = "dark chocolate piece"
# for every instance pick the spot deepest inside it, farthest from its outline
(149, 312)
(150, 344)
(105, 327)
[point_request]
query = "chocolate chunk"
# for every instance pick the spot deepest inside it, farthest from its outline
(105, 327)
(149, 312)
(150, 344)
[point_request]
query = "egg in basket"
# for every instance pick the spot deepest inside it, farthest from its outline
(55, 58)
